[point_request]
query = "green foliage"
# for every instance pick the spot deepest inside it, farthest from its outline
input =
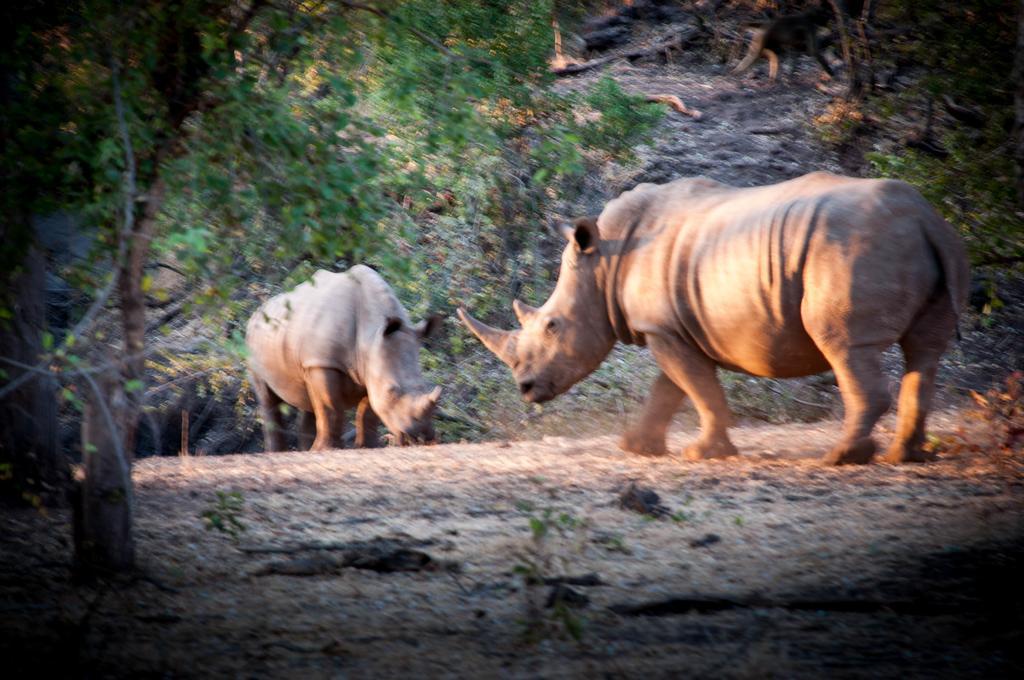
(224, 514)
(965, 51)
(425, 140)
(624, 121)
(974, 188)
(961, 45)
(555, 538)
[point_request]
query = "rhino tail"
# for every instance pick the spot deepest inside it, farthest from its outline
(756, 45)
(952, 256)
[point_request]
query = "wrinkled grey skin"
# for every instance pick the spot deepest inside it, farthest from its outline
(339, 341)
(780, 281)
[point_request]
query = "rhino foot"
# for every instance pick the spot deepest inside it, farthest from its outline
(859, 453)
(642, 444)
(709, 449)
(907, 454)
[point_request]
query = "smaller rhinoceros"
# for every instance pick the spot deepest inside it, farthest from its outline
(339, 341)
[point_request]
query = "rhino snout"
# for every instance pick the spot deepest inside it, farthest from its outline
(536, 392)
(421, 434)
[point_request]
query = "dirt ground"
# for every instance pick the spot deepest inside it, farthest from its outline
(791, 569)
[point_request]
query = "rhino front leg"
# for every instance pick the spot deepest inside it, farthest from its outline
(367, 423)
(270, 413)
(693, 372)
(647, 437)
(325, 389)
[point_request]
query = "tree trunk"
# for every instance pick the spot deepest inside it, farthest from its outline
(559, 61)
(133, 312)
(1018, 81)
(30, 461)
(103, 497)
(853, 75)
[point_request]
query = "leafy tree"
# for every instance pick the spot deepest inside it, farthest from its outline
(244, 144)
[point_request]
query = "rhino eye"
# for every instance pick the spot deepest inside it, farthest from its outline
(551, 327)
(394, 390)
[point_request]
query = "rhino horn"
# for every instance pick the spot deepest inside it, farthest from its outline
(523, 311)
(494, 339)
(431, 398)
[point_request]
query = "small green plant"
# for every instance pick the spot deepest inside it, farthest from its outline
(224, 515)
(624, 122)
(555, 537)
(614, 543)
(680, 517)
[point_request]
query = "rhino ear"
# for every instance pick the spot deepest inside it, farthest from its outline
(523, 311)
(584, 234)
(429, 326)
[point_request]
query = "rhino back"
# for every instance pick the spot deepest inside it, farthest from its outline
(749, 274)
(328, 322)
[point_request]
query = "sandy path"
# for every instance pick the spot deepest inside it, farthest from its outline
(932, 553)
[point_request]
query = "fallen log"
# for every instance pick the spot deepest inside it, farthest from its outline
(573, 69)
(662, 48)
(676, 103)
(709, 604)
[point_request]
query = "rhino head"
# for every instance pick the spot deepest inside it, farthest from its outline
(565, 339)
(394, 384)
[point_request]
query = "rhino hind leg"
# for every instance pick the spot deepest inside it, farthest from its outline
(865, 393)
(647, 437)
(270, 413)
(694, 374)
(307, 429)
(922, 346)
(367, 423)
(325, 388)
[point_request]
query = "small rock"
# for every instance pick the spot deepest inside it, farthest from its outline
(335, 648)
(601, 23)
(588, 580)
(606, 38)
(301, 566)
(705, 540)
(390, 561)
(563, 594)
(643, 500)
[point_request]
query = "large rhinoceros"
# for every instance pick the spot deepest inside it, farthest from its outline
(338, 341)
(782, 280)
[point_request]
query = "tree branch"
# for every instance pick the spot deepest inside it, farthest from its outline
(376, 11)
(998, 261)
(676, 103)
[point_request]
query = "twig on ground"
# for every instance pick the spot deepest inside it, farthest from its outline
(676, 103)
